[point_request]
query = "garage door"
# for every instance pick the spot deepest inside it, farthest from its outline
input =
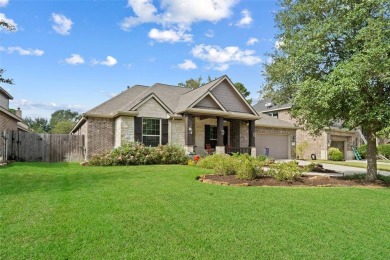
(277, 144)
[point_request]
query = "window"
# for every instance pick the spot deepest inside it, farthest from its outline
(272, 114)
(151, 131)
(213, 133)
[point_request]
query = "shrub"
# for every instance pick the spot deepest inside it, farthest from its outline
(211, 161)
(362, 150)
(384, 149)
(134, 153)
(245, 170)
(334, 154)
(285, 171)
(262, 157)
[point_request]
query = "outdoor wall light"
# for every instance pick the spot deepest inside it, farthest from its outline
(222, 132)
(190, 130)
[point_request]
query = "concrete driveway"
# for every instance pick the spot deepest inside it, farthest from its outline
(346, 170)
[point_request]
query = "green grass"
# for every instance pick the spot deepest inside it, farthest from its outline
(381, 167)
(66, 211)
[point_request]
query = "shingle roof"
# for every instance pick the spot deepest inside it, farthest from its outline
(190, 97)
(266, 104)
(125, 101)
(269, 121)
(114, 104)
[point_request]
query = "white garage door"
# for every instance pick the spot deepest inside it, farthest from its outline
(277, 144)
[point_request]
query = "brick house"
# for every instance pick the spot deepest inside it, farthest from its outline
(213, 116)
(8, 120)
(336, 136)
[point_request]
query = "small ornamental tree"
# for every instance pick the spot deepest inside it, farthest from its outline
(333, 62)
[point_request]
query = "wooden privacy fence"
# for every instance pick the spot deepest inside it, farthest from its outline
(33, 147)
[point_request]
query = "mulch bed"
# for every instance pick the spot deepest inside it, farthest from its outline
(305, 180)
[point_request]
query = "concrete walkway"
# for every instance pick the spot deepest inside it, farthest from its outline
(346, 170)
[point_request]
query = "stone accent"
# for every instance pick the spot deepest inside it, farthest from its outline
(152, 109)
(101, 135)
(176, 132)
(253, 152)
(220, 149)
(124, 130)
(235, 133)
(244, 134)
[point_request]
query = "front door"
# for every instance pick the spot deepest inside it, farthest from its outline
(210, 136)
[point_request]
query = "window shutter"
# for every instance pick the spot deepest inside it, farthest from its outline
(164, 128)
(206, 135)
(138, 129)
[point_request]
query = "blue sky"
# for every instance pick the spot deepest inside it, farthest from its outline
(76, 54)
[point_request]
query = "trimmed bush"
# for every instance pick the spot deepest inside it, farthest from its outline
(384, 149)
(287, 171)
(334, 154)
(211, 161)
(135, 153)
(362, 150)
(245, 170)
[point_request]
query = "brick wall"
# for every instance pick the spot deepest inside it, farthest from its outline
(101, 135)
(6, 123)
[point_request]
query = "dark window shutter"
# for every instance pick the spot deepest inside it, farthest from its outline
(138, 129)
(164, 128)
(206, 135)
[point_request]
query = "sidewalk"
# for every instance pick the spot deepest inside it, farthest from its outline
(346, 170)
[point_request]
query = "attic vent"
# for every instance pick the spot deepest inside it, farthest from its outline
(268, 105)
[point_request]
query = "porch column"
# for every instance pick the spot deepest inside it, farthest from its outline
(189, 132)
(252, 137)
(220, 148)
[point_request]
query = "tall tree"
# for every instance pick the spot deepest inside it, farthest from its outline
(244, 91)
(333, 62)
(62, 121)
(192, 83)
(38, 125)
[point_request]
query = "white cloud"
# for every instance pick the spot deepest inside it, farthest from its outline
(176, 16)
(246, 19)
(181, 13)
(187, 65)
(209, 33)
(169, 36)
(220, 58)
(27, 105)
(24, 52)
(9, 21)
(3, 3)
(62, 24)
(110, 61)
(75, 59)
(252, 41)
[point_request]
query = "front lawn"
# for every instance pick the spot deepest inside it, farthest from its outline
(66, 211)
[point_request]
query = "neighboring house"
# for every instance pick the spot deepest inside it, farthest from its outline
(8, 120)
(215, 114)
(336, 136)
